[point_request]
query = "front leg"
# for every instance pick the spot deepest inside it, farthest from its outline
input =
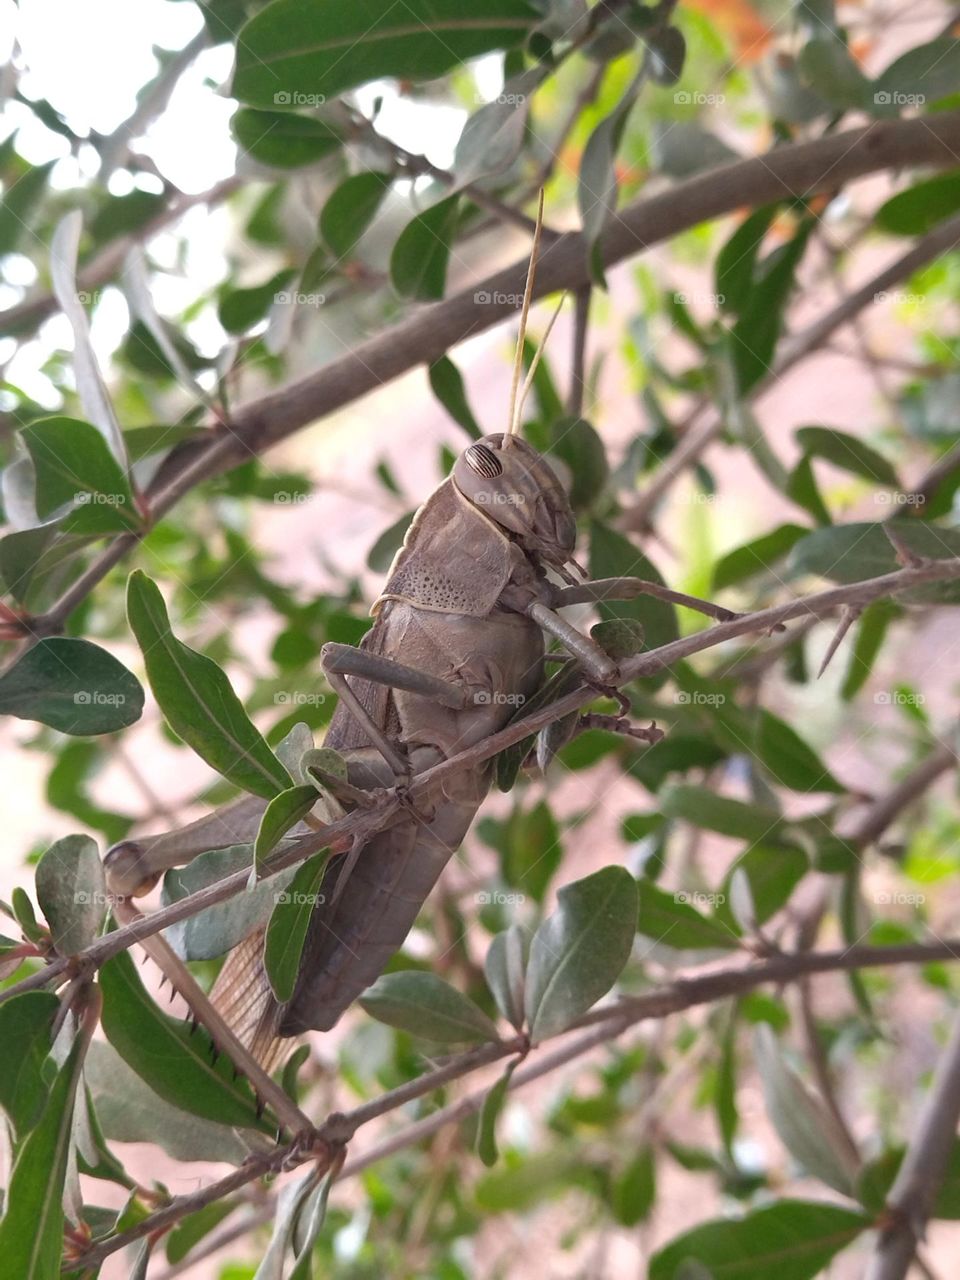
(628, 589)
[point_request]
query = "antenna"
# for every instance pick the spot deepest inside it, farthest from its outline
(512, 422)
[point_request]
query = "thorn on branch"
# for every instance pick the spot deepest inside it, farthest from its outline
(850, 614)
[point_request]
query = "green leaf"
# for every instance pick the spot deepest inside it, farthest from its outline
(287, 930)
(197, 700)
(20, 197)
(917, 210)
(490, 1114)
(848, 452)
(771, 875)
(704, 808)
(579, 445)
(789, 1240)
(72, 892)
(282, 140)
(803, 1123)
(31, 1232)
(778, 747)
(801, 486)
(504, 967)
(321, 47)
(829, 69)
(851, 552)
(597, 186)
(219, 928)
(671, 921)
(74, 465)
(71, 685)
(519, 1187)
(26, 1023)
(418, 263)
(493, 136)
(754, 336)
(578, 953)
(635, 1189)
(428, 1007)
(877, 1177)
(129, 1111)
(737, 260)
(758, 556)
(283, 812)
(351, 208)
(530, 848)
(240, 309)
(446, 383)
(919, 77)
(176, 1065)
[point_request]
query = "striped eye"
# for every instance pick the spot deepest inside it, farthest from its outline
(484, 461)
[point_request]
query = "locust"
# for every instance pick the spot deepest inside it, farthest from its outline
(458, 643)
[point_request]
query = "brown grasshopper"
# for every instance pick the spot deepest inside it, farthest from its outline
(457, 643)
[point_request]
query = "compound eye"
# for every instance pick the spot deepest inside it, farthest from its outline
(483, 461)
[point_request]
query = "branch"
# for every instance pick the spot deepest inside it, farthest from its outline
(360, 825)
(607, 1023)
(427, 334)
(924, 1167)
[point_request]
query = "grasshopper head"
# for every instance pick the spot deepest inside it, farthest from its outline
(515, 487)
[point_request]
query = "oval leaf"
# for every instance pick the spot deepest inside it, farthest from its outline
(318, 48)
(72, 892)
(351, 208)
(426, 1006)
(73, 686)
(74, 465)
(283, 812)
(578, 953)
(418, 263)
(792, 1240)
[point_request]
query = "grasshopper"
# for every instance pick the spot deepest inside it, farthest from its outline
(457, 643)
